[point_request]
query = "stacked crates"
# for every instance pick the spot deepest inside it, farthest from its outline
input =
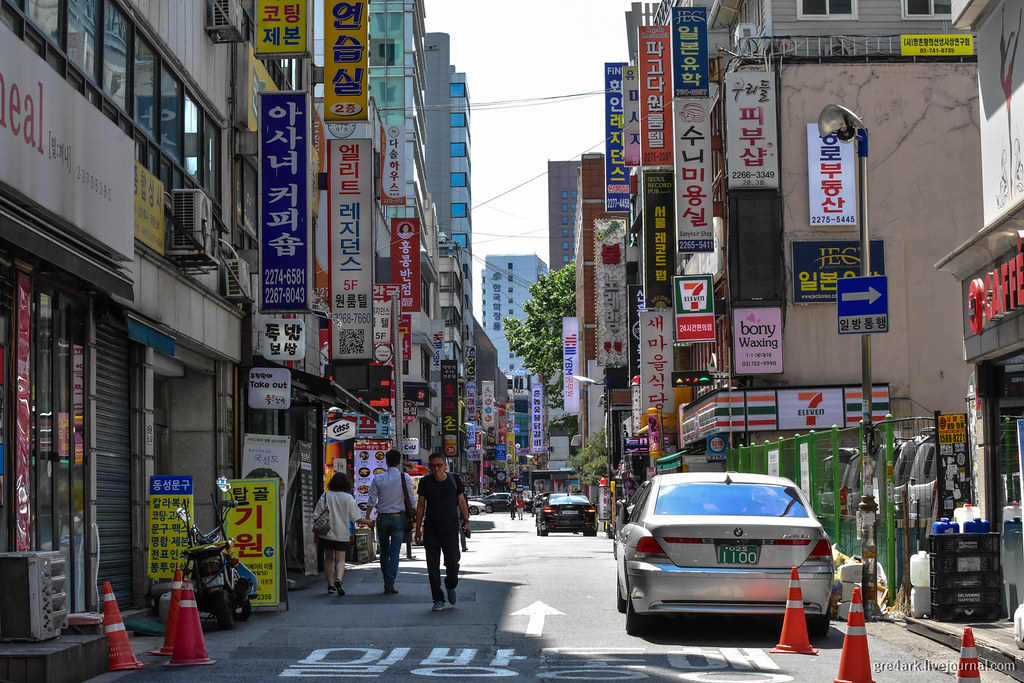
(966, 579)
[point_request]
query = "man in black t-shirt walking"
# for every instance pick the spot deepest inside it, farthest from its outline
(441, 498)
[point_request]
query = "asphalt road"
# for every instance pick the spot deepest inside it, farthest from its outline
(529, 608)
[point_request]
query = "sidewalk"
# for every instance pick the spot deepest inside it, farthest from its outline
(994, 640)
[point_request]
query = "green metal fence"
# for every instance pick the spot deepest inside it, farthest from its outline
(835, 489)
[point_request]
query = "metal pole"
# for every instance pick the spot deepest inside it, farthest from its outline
(868, 506)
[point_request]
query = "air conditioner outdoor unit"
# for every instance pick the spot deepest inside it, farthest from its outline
(744, 30)
(224, 21)
(191, 236)
(236, 285)
(33, 600)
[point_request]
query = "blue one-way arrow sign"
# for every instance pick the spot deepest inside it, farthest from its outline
(862, 304)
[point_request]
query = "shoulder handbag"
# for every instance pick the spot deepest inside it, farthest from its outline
(322, 522)
(410, 514)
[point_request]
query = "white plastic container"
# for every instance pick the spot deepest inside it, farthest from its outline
(964, 514)
(1018, 627)
(844, 610)
(847, 594)
(1011, 512)
(920, 601)
(920, 569)
(851, 572)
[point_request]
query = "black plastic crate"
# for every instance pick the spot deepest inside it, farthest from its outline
(965, 612)
(964, 544)
(945, 564)
(992, 579)
(948, 597)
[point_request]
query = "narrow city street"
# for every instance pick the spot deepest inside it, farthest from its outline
(528, 607)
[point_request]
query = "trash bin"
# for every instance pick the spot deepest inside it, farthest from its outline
(1010, 557)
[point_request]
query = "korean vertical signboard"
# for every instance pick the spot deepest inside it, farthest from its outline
(570, 365)
(695, 209)
(537, 418)
(610, 278)
(286, 245)
(346, 70)
(656, 360)
(283, 28)
(631, 115)
(488, 410)
(450, 407)
(751, 130)
(392, 165)
(616, 178)
(830, 183)
(405, 261)
(659, 238)
(690, 51)
(256, 527)
(695, 308)
(655, 96)
(168, 535)
(350, 248)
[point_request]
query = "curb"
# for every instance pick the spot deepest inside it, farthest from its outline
(1009, 663)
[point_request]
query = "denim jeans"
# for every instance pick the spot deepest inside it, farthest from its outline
(390, 530)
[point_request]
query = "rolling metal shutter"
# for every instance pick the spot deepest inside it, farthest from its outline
(113, 462)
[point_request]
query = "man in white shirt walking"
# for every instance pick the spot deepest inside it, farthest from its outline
(389, 492)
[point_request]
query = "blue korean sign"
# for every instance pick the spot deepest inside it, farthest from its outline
(818, 265)
(690, 51)
(863, 304)
(286, 248)
(500, 452)
(616, 197)
(170, 485)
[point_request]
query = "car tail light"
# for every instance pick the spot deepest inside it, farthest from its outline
(677, 539)
(822, 549)
(792, 541)
(549, 509)
(648, 547)
(591, 509)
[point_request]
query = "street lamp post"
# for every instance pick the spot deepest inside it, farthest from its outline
(838, 120)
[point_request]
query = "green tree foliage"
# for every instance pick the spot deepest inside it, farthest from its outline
(591, 461)
(538, 338)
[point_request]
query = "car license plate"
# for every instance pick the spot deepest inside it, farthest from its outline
(739, 554)
(569, 513)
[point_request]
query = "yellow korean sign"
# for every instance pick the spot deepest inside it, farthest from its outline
(168, 536)
(346, 70)
(149, 208)
(282, 28)
(941, 45)
(256, 527)
(953, 428)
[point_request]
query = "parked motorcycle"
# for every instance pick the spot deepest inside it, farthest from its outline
(223, 585)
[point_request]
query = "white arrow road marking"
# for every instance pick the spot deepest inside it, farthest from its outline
(870, 296)
(537, 611)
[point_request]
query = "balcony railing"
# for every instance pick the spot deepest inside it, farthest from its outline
(821, 46)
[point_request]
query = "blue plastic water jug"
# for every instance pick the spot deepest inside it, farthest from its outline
(954, 528)
(984, 526)
(971, 526)
(941, 526)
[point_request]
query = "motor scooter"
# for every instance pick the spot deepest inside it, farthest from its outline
(223, 585)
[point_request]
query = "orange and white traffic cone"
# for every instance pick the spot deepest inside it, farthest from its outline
(855, 663)
(794, 638)
(172, 618)
(121, 655)
(189, 644)
(967, 670)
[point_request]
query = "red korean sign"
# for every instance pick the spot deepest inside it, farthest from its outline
(405, 260)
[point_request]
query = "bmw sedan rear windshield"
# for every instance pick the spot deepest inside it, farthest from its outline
(714, 498)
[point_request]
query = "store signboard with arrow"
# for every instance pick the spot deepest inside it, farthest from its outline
(862, 304)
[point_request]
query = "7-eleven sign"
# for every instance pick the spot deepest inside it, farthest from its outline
(695, 308)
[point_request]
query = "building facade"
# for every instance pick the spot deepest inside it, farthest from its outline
(563, 198)
(505, 288)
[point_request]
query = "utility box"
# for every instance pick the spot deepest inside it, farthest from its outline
(33, 601)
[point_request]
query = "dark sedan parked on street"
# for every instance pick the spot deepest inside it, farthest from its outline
(566, 513)
(495, 501)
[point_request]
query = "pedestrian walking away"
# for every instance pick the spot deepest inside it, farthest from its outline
(389, 493)
(441, 508)
(512, 506)
(343, 510)
(520, 504)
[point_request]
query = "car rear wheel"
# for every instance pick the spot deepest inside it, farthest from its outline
(489, 509)
(620, 602)
(636, 624)
(542, 531)
(818, 625)
(473, 510)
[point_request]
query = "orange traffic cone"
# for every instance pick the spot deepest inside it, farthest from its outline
(967, 670)
(794, 638)
(855, 664)
(172, 618)
(189, 644)
(121, 656)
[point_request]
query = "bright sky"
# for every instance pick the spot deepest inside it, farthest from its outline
(527, 50)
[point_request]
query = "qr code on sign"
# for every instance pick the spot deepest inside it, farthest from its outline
(350, 341)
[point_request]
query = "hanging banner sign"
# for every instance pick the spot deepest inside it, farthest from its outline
(392, 164)
(655, 96)
(346, 60)
(659, 238)
(168, 536)
(405, 261)
(631, 115)
(752, 132)
(610, 279)
(283, 339)
(270, 388)
(256, 527)
(695, 308)
(695, 210)
(757, 340)
(283, 28)
(830, 179)
(690, 51)
(570, 362)
(616, 193)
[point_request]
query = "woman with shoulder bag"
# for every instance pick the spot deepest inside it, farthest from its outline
(343, 510)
